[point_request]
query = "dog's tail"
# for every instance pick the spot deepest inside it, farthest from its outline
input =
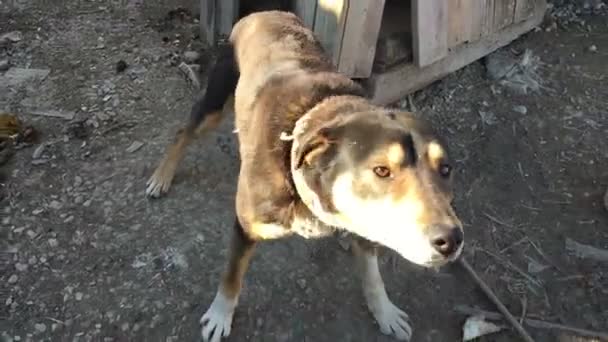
(223, 76)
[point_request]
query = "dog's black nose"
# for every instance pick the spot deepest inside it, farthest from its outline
(446, 240)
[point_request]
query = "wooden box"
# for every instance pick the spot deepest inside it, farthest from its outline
(396, 47)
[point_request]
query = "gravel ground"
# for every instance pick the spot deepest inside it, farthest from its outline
(88, 258)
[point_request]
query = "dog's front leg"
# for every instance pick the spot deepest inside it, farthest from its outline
(217, 321)
(391, 319)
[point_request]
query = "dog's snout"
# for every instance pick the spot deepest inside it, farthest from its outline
(446, 240)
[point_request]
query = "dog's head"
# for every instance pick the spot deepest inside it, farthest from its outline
(385, 176)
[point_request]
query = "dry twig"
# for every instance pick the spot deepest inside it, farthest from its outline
(486, 289)
(535, 323)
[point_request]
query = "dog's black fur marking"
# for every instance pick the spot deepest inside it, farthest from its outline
(221, 83)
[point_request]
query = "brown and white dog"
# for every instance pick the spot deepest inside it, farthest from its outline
(317, 156)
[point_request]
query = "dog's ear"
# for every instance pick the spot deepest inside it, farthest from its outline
(315, 145)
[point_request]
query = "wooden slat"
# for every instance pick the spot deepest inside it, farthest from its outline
(487, 23)
(305, 9)
(217, 18)
(503, 14)
(466, 21)
(207, 21)
(430, 33)
(226, 15)
(458, 19)
(524, 9)
(330, 18)
(361, 31)
(388, 87)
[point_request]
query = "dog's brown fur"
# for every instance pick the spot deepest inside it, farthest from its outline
(284, 75)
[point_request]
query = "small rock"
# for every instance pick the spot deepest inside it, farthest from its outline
(520, 109)
(124, 327)
(37, 211)
(13, 279)
(488, 118)
(87, 203)
(593, 48)
(499, 63)
(56, 205)
(77, 181)
(121, 66)
(4, 65)
(12, 37)
(21, 267)
(32, 260)
(38, 151)
(53, 243)
(301, 283)
(78, 296)
(40, 327)
(136, 145)
(191, 56)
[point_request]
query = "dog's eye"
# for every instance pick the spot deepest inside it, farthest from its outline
(445, 170)
(382, 171)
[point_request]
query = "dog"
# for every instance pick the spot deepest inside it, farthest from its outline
(317, 156)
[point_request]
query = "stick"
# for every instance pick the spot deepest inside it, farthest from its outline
(522, 332)
(535, 323)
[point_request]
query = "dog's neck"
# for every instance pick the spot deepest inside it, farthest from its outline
(322, 112)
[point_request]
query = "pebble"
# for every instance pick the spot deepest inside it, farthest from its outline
(520, 109)
(38, 151)
(191, 56)
(4, 65)
(593, 48)
(78, 296)
(13, 279)
(21, 267)
(55, 205)
(53, 243)
(40, 327)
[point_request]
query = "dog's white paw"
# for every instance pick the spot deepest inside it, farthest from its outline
(157, 185)
(392, 320)
(217, 321)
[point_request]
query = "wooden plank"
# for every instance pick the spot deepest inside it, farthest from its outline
(391, 86)
(430, 33)
(330, 18)
(487, 21)
(361, 32)
(466, 21)
(207, 21)
(503, 14)
(305, 9)
(226, 15)
(459, 12)
(524, 9)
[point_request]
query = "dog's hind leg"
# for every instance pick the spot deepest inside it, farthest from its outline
(392, 320)
(206, 115)
(217, 320)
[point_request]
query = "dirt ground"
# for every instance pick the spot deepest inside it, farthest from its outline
(88, 258)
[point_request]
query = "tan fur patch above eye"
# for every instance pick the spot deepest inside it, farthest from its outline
(435, 151)
(395, 154)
